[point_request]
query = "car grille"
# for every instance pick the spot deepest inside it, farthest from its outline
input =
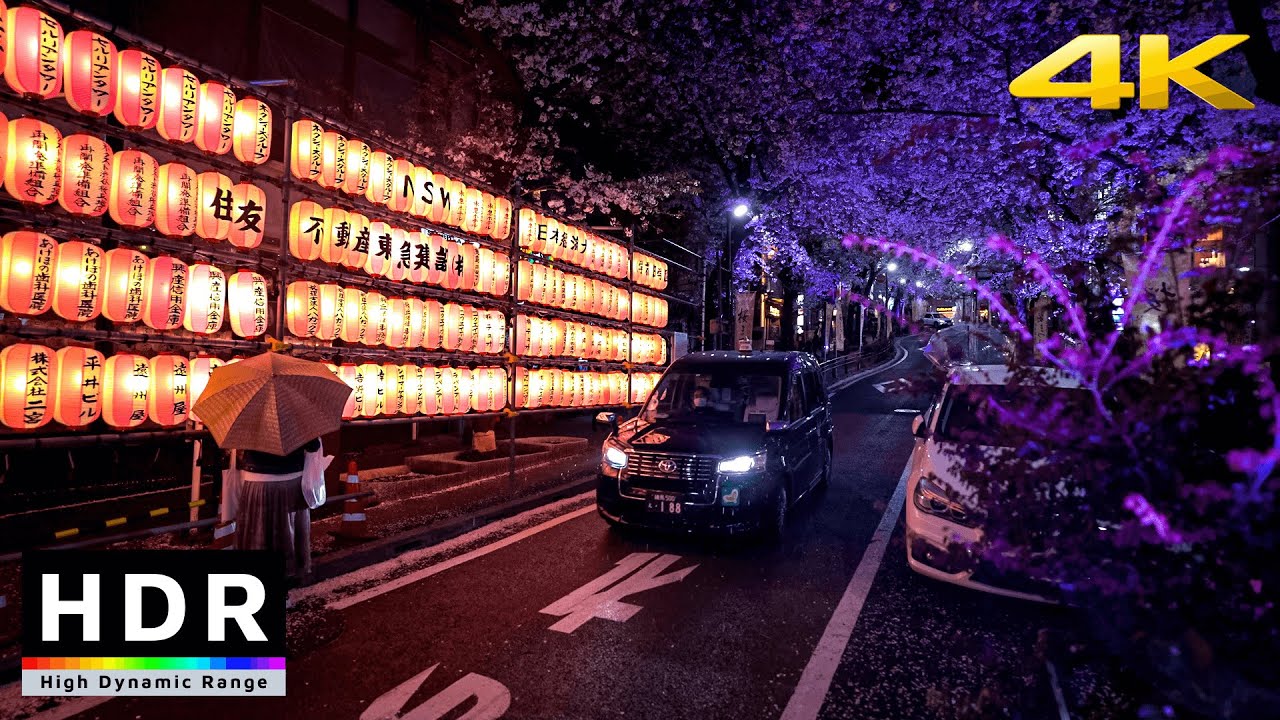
(691, 475)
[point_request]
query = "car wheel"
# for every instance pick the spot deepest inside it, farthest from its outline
(778, 516)
(824, 475)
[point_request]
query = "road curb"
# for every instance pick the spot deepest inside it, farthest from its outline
(846, 382)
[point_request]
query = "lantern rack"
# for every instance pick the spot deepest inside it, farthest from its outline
(320, 271)
(398, 354)
(524, 307)
(159, 337)
(569, 267)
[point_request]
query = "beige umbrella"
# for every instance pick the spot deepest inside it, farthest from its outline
(271, 402)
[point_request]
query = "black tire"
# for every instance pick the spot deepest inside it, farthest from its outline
(824, 475)
(777, 520)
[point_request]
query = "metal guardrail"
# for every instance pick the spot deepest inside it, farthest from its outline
(842, 367)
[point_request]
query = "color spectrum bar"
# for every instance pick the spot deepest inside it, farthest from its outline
(153, 663)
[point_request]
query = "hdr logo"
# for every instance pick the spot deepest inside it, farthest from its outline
(1156, 70)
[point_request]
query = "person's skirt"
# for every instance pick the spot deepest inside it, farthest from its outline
(272, 515)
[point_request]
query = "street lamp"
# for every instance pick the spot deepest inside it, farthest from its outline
(966, 246)
(902, 281)
(741, 209)
(891, 267)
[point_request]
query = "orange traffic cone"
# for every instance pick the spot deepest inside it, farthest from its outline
(355, 526)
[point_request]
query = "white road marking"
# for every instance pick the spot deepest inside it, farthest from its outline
(594, 601)
(1058, 697)
(907, 411)
(815, 681)
(492, 699)
(839, 385)
(426, 572)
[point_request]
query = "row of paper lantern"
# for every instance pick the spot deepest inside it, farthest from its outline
(350, 240)
(560, 241)
(386, 389)
(648, 271)
(80, 281)
(333, 312)
(88, 179)
(542, 284)
(543, 337)
(335, 162)
(552, 387)
(96, 79)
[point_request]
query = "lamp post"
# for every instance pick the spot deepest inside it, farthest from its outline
(740, 210)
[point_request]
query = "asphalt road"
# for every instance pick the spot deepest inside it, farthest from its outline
(572, 620)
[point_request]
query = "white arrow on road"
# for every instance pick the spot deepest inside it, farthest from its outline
(593, 600)
(891, 386)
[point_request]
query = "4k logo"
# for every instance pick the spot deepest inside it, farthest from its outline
(1155, 71)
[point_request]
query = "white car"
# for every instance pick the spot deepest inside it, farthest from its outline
(935, 320)
(939, 507)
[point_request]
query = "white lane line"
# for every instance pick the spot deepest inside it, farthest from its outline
(1063, 713)
(846, 382)
(815, 681)
(426, 572)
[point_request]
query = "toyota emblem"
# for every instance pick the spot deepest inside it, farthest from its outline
(667, 466)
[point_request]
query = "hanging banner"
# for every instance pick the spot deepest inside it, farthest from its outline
(743, 312)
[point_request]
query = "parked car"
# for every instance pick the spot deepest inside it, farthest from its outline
(726, 442)
(941, 516)
(935, 320)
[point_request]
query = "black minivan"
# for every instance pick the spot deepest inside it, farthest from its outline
(727, 441)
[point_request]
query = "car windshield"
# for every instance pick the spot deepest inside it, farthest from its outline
(1004, 416)
(722, 395)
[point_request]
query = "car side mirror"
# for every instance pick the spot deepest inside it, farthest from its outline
(919, 428)
(605, 419)
(776, 426)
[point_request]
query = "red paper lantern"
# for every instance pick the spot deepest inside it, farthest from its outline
(26, 272)
(31, 170)
(251, 136)
(133, 189)
(402, 176)
(465, 269)
(176, 203)
(164, 293)
(77, 386)
(473, 210)
(26, 372)
(455, 205)
(433, 322)
(215, 124)
(355, 315)
(125, 272)
(370, 401)
(167, 403)
(423, 192)
(455, 273)
(415, 324)
(306, 156)
(213, 216)
(381, 250)
(401, 254)
(454, 324)
(501, 228)
(88, 72)
(488, 213)
(248, 216)
(397, 323)
(179, 105)
(33, 42)
(137, 89)
(382, 178)
(393, 376)
(201, 368)
(447, 391)
(360, 242)
(411, 383)
(330, 324)
(337, 236)
(431, 396)
(206, 299)
(439, 198)
(375, 329)
(247, 303)
(306, 230)
(126, 385)
(78, 278)
(355, 179)
(333, 160)
(529, 230)
(86, 176)
(501, 274)
(349, 374)
(302, 308)
(484, 271)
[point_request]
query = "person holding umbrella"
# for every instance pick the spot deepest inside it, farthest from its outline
(270, 411)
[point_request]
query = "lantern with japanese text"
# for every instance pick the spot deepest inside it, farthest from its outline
(371, 380)
(487, 213)
(411, 381)
(465, 267)
(167, 397)
(415, 322)
(456, 212)
(26, 272)
(470, 321)
(77, 280)
(392, 388)
(164, 293)
(302, 308)
(447, 391)
(423, 192)
(453, 273)
(434, 191)
(472, 210)
(27, 371)
(382, 176)
(248, 217)
(251, 134)
(125, 274)
(179, 105)
(306, 157)
(528, 229)
(525, 327)
(77, 386)
(433, 322)
(134, 176)
(484, 389)
(355, 315)
(436, 256)
(501, 227)
(86, 175)
(359, 241)
(333, 160)
(137, 89)
(501, 273)
(31, 170)
(375, 331)
(33, 43)
(401, 263)
(330, 323)
(247, 303)
(349, 374)
(428, 395)
(176, 203)
(484, 271)
(493, 332)
(215, 123)
(397, 329)
(402, 179)
(200, 368)
(126, 384)
(206, 299)
(336, 241)
(381, 248)
(306, 230)
(88, 72)
(213, 215)
(355, 179)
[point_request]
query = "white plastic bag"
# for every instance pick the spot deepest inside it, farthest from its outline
(230, 489)
(313, 467)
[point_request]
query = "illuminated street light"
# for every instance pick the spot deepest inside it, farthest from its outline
(919, 283)
(741, 210)
(966, 246)
(902, 281)
(891, 267)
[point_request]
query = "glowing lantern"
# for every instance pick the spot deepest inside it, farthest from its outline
(435, 192)
(433, 322)
(447, 391)
(525, 335)
(126, 277)
(88, 72)
(164, 293)
(167, 397)
(179, 105)
(501, 228)
(465, 267)
(402, 181)
(486, 213)
(455, 273)
(463, 390)
(392, 389)
(33, 43)
(370, 382)
(206, 299)
(381, 249)
(360, 242)
(524, 282)
(133, 188)
(26, 272)
(333, 160)
(349, 374)
(215, 124)
(501, 274)
(438, 258)
(306, 230)
(472, 210)
(455, 205)
(125, 389)
(247, 303)
(375, 332)
(26, 371)
(401, 264)
(429, 403)
(213, 216)
(468, 322)
(77, 386)
(137, 89)
(86, 175)
(176, 206)
(251, 135)
(410, 377)
(302, 308)
(31, 156)
(528, 229)
(494, 335)
(397, 322)
(249, 216)
(382, 178)
(484, 271)
(306, 156)
(423, 192)
(355, 315)
(329, 326)
(201, 367)
(337, 235)
(77, 279)
(451, 331)
(415, 327)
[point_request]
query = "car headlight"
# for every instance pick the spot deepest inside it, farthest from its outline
(741, 464)
(932, 499)
(614, 456)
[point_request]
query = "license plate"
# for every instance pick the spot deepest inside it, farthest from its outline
(664, 503)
